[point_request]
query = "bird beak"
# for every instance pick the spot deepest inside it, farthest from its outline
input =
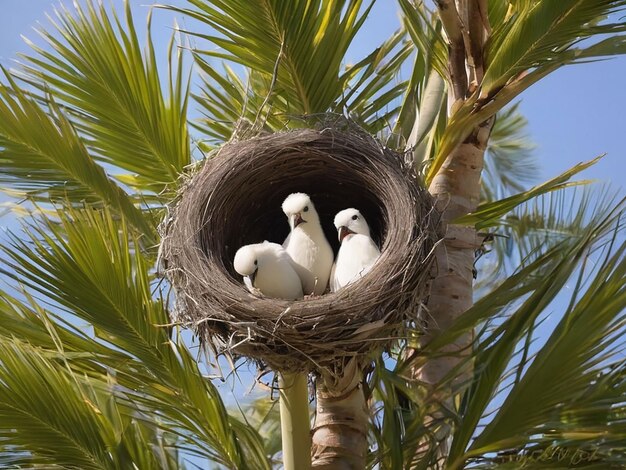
(252, 277)
(297, 220)
(344, 232)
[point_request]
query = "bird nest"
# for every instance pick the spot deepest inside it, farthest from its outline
(235, 199)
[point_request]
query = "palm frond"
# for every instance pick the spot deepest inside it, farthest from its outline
(263, 415)
(304, 42)
(43, 158)
(537, 34)
(488, 214)
(535, 39)
(84, 429)
(572, 393)
(594, 220)
(71, 265)
(503, 319)
(88, 265)
(231, 105)
(371, 95)
(27, 321)
(509, 163)
(112, 91)
(496, 348)
(426, 32)
(538, 224)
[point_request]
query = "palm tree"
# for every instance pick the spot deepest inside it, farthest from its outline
(94, 139)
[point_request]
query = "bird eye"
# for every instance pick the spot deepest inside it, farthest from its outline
(354, 217)
(256, 263)
(306, 209)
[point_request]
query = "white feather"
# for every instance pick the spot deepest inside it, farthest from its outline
(357, 253)
(272, 268)
(306, 243)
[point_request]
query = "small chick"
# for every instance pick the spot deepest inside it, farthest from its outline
(357, 253)
(306, 243)
(268, 268)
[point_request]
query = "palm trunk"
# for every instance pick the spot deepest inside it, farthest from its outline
(456, 189)
(340, 429)
(295, 421)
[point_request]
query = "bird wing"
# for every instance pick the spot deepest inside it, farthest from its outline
(370, 252)
(302, 272)
(324, 262)
(286, 242)
(334, 285)
(277, 277)
(356, 257)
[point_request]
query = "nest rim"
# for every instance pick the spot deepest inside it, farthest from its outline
(321, 333)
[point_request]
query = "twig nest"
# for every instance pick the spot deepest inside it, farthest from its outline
(235, 199)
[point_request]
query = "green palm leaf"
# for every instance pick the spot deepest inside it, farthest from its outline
(503, 320)
(509, 161)
(71, 265)
(537, 33)
(89, 266)
(541, 223)
(373, 86)
(594, 220)
(497, 349)
(43, 157)
(574, 374)
(28, 322)
(426, 32)
(366, 90)
(83, 429)
(95, 66)
(304, 42)
(231, 106)
(488, 214)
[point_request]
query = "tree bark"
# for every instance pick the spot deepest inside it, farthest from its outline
(456, 51)
(340, 428)
(456, 189)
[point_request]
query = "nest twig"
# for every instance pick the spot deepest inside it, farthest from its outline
(235, 199)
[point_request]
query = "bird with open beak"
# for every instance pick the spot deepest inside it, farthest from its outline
(306, 243)
(357, 253)
(266, 267)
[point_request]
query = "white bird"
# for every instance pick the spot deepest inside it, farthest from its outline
(357, 253)
(268, 268)
(306, 243)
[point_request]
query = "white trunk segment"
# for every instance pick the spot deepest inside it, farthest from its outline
(295, 421)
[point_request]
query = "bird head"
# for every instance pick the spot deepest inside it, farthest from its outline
(299, 210)
(247, 260)
(350, 221)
